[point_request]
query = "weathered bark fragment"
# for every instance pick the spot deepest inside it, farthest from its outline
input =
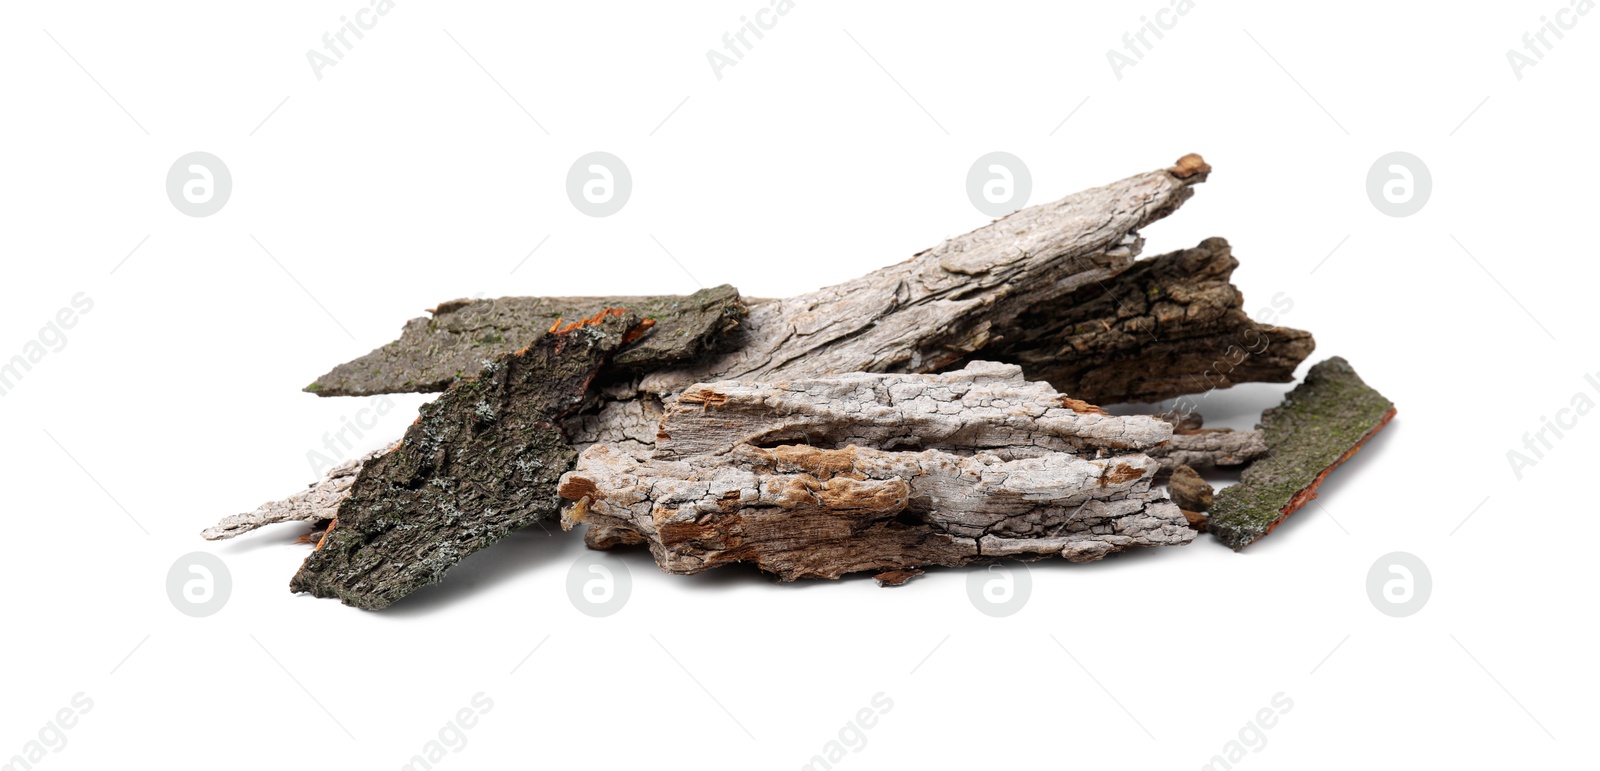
(896, 577)
(930, 311)
(1319, 425)
(1189, 491)
(317, 502)
(463, 336)
(1210, 448)
(481, 461)
(1183, 421)
(822, 477)
(1167, 326)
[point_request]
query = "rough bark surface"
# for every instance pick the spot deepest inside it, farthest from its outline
(926, 313)
(1189, 491)
(482, 461)
(822, 477)
(1210, 448)
(317, 502)
(463, 336)
(1167, 326)
(918, 315)
(1319, 425)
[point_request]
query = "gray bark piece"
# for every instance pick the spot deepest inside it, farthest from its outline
(780, 474)
(317, 502)
(986, 406)
(928, 312)
(463, 336)
(1210, 448)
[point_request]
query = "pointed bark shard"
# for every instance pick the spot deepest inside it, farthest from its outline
(462, 336)
(1319, 425)
(481, 461)
(316, 503)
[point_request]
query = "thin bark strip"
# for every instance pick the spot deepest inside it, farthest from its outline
(817, 478)
(482, 461)
(462, 336)
(1210, 448)
(1167, 326)
(319, 502)
(1319, 425)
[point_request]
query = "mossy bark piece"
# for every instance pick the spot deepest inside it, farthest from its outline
(462, 336)
(1319, 425)
(480, 462)
(1166, 326)
(819, 478)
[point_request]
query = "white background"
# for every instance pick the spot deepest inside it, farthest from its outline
(407, 176)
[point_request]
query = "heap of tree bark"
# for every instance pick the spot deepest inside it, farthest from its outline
(937, 411)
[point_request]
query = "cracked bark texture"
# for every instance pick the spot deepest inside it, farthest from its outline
(818, 478)
(462, 336)
(923, 314)
(318, 502)
(1210, 448)
(480, 462)
(918, 315)
(1166, 326)
(1319, 425)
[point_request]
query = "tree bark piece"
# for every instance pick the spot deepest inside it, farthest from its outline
(317, 502)
(462, 336)
(481, 461)
(1319, 425)
(923, 314)
(1210, 448)
(1167, 326)
(1189, 491)
(928, 312)
(822, 477)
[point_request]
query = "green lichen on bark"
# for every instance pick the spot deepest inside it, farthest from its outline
(1320, 424)
(481, 461)
(463, 335)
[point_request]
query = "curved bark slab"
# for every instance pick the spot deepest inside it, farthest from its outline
(1319, 425)
(1167, 326)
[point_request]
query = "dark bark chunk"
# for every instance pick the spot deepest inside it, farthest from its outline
(481, 461)
(1166, 326)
